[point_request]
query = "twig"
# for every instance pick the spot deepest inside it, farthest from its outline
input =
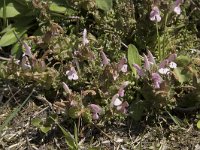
(4, 58)
(37, 113)
(104, 133)
(43, 99)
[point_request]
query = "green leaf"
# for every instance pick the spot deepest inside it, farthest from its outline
(56, 8)
(180, 75)
(45, 129)
(176, 120)
(105, 5)
(11, 11)
(9, 37)
(69, 138)
(16, 50)
(74, 112)
(133, 57)
(36, 122)
(198, 124)
(183, 60)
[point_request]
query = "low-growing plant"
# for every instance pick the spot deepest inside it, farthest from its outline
(87, 69)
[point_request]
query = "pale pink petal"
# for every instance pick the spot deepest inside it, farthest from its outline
(105, 60)
(146, 63)
(155, 14)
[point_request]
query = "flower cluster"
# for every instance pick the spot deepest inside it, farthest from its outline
(155, 12)
(161, 69)
(116, 102)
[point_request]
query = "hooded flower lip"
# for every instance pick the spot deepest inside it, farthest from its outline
(157, 80)
(105, 60)
(85, 40)
(72, 74)
(155, 14)
(96, 110)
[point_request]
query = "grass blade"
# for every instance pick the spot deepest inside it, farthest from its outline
(14, 113)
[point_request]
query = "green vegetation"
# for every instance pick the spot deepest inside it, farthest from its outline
(76, 69)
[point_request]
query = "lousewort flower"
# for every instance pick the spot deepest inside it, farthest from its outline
(120, 106)
(146, 63)
(122, 87)
(164, 70)
(122, 66)
(27, 50)
(139, 70)
(85, 40)
(115, 101)
(105, 60)
(123, 107)
(165, 63)
(25, 64)
(176, 6)
(157, 80)
(72, 74)
(155, 14)
(172, 65)
(150, 57)
(96, 111)
(66, 88)
(172, 57)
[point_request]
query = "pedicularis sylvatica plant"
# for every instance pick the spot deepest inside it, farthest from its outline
(83, 66)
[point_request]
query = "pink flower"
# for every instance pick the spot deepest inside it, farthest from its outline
(122, 66)
(96, 110)
(150, 57)
(105, 60)
(172, 57)
(115, 101)
(146, 63)
(122, 87)
(120, 106)
(157, 80)
(167, 61)
(139, 70)
(155, 14)
(164, 71)
(176, 6)
(27, 50)
(72, 74)
(123, 107)
(25, 64)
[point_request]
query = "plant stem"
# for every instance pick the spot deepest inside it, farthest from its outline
(164, 38)
(158, 40)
